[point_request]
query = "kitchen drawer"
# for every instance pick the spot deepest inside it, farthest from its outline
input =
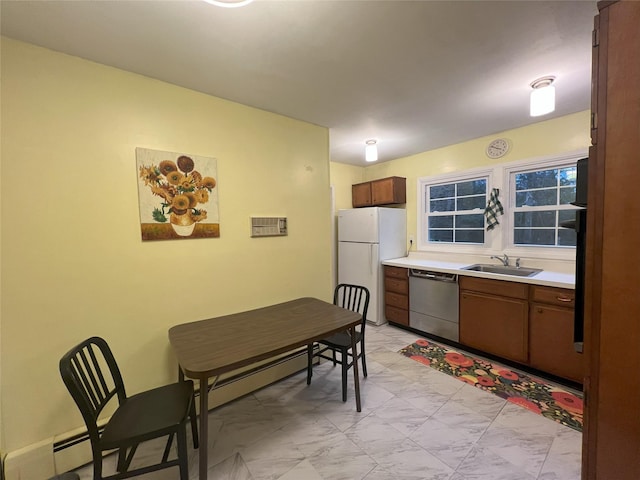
(396, 272)
(495, 287)
(396, 300)
(561, 297)
(397, 285)
(397, 315)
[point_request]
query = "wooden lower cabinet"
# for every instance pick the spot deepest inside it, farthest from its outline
(551, 342)
(529, 324)
(396, 295)
(494, 324)
(551, 333)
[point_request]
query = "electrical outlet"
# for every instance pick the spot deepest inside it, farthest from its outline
(411, 239)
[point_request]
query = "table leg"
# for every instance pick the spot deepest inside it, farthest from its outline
(204, 426)
(356, 375)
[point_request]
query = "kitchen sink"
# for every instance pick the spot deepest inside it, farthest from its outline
(517, 271)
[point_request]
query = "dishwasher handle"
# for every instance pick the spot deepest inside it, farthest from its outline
(422, 273)
(437, 276)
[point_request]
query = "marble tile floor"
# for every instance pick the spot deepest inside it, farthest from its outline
(416, 424)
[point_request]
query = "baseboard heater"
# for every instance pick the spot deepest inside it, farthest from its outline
(84, 436)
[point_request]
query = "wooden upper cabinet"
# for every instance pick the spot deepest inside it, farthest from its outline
(361, 195)
(386, 191)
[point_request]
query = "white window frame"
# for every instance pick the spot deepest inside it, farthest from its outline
(509, 171)
(423, 244)
(500, 239)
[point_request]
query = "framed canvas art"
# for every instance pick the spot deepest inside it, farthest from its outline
(178, 195)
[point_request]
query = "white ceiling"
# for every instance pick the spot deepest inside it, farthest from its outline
(415, 75)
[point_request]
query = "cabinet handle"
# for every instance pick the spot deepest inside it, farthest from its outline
(564, 299)
(540, 310)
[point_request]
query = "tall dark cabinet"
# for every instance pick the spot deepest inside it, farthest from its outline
(611, 449)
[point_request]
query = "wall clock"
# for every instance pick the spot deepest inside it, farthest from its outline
(498, 148)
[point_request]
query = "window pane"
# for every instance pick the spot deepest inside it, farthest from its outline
(442, 191)
(546, 218)
(472, 187)
(469, 203)
(565, 215)
(568, 176)
(566, 237)
(470, 236)
(534, 237)
(444, 221)
(441, 236)
(540, 179)
(470, 221)
(537, 197)
(449, 206)
(567, 195)
(541, 199)
(443, 205)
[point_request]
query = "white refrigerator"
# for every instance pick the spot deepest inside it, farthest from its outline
(366, 237)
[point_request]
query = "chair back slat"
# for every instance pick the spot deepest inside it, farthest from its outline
(352, 297)
(92, 377)
(87, 370)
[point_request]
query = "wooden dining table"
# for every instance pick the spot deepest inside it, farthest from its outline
(206, 349)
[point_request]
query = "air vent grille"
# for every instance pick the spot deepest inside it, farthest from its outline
(268, 226)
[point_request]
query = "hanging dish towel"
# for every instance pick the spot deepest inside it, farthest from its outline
(493, 209)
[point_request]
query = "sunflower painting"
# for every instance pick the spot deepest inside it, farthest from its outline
(178, 195)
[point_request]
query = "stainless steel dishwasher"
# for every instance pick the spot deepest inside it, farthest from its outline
(433, 303)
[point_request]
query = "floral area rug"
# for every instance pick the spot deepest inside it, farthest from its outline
(529, 392)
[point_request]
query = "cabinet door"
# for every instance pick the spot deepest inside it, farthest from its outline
(396, 272)
(397, 285)
(361, 195)
(396, 300)
(389, 191)
(551, 342)
(612, 302)
(397, 315)
(494, 325)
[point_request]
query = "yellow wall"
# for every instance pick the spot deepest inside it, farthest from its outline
(552, 137)
(342, 177)
(73, 263)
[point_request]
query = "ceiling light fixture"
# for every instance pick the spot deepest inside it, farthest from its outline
(543, 96)
(371, 151)
(229, 3)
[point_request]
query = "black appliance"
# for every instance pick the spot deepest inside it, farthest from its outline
(580, 226)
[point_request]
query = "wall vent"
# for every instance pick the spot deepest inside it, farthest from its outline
(268, 226)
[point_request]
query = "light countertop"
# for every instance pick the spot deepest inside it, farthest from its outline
(547, 277)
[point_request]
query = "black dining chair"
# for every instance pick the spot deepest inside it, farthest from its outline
(93, 379)
(354, 298)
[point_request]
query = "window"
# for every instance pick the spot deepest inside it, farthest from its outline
(541, 201)
(454, 211)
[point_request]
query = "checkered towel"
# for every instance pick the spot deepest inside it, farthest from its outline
(493, 209)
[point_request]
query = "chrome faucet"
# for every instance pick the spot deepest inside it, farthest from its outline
(504, 259)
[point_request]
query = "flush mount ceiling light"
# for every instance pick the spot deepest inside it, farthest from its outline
(371, 151)
(543, 96)
(229, 3)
